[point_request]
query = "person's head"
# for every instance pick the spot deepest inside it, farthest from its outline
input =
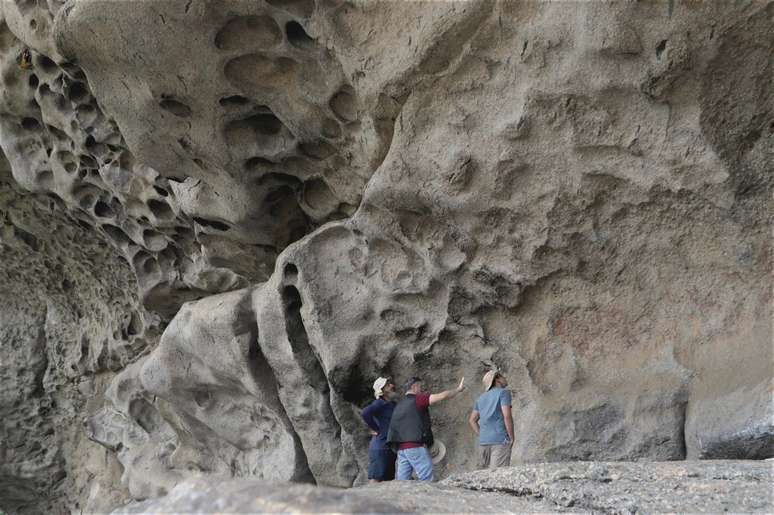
(414, 385)
(384, 388)
(494, 378)
(500, 380)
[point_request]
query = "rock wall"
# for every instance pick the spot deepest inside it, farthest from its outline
(235, 215)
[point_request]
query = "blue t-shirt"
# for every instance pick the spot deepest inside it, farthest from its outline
(492, 422)
(377, 416)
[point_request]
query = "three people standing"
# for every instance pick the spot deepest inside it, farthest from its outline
(403, 430)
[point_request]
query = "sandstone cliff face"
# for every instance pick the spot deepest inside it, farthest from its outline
(222, 220)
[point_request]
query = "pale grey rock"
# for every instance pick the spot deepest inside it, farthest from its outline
(577, 194)
(204, 401)
(211, 494)
(69, 317)
(615, 488)
(667, 487)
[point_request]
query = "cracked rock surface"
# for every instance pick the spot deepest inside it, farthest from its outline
(221, 220)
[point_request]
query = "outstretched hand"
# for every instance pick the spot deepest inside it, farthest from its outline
(461, 387)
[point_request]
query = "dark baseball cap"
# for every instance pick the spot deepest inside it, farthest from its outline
(411, 381)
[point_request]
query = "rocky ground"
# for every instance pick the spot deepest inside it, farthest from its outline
(598, 487)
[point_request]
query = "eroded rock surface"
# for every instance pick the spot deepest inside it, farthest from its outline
(304, 194)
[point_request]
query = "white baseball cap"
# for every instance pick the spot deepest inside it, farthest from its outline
(378, 385)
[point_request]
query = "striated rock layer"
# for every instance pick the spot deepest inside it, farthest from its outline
(221, 220)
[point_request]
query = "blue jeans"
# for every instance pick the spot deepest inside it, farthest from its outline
(417, 460)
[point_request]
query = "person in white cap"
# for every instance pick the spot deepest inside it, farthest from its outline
(492, 421)
(377, 416)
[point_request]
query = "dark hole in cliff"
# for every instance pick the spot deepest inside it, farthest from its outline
(279, 194)
(58, 133)
(135, 324)
(214, 224)
(175, 107)
(297, 36)
(103, 210)
(255, 163)
(77, 91)
(84, 347)
(88, 161)
(30, 124)
(160, 209)
(660, 48)
(161, 191)
(343, 104)
(299, 340)
(265, 123)
(356, 389)
(234, 101)
(116, 234)
(318, 150)
(291, 272)
(33, 81)
(202, 398)
(46, 64)
(30, 240)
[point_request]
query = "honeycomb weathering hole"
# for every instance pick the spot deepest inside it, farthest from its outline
(77, 91)
(160, 209)
(261, 128)
(116, 234)
(154, 240)
(262, 123)
(343, 105)
(234, 101)
(102, 210)
(317, 149)
(291, 271)
(175, 107)
(258, 163)
(297, 36)
(260, 72)
(30, 124)
(248, 31)
(214, 224)
(317, 195)
(46, 64)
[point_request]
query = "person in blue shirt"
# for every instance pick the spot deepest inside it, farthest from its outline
(492, 421)
(377, 416)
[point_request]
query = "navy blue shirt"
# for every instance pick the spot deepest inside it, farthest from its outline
(377, 416)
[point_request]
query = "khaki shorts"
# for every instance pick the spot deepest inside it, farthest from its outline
(493, 456)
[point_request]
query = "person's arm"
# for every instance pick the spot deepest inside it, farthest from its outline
(505, 406)
(508, 418)
(368, 417)
(448, 394)
(473, 421)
